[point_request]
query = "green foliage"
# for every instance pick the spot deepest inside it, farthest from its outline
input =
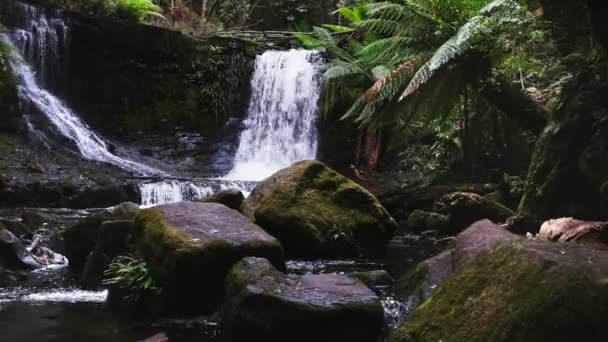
(133, 10)
(136, 10)
(233, 13)
(132, 275)
(221, 77)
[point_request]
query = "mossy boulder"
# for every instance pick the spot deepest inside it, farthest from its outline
(464, 208)
(314, 211)
(80, 239)
(190, 248)
(522, 290)
(263, 304)
(420, 220)
(232, 198)
(420, 282)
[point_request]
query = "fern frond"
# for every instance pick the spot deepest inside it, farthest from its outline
(454, 47)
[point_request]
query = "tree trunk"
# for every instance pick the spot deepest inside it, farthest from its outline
(203, 9)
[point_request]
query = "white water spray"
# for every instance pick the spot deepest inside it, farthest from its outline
(280, 127)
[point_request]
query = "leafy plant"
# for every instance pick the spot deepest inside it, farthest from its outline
(136, 10)
(132, 275)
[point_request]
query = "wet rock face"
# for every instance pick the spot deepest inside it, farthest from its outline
(191, 247)
(567, 229)
(518, 290)
(314, 211)
(263, 304)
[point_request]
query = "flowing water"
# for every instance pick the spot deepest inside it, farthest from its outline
(280, 127)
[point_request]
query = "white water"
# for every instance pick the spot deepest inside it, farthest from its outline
(60, 295)
(172, 191)
(40, 40)
(280, 127)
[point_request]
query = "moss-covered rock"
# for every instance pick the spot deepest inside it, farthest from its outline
(263, 304)
(431, 273)
(373, 278)
(521, 290)
(422, 220)
(464, 208)
(191, 246)
(314, 211)
(80, 239)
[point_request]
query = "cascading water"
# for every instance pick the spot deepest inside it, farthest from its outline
(41, 39)
(280, 127)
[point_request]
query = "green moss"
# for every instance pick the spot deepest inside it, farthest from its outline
(313, 205)
(5, 146)
(516, 292)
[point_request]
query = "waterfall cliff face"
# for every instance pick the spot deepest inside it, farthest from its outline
(38, 42)
(280, 127)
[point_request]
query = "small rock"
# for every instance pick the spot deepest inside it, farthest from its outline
(232, 198)
(567, 229)
(374, 278)
(421, 220)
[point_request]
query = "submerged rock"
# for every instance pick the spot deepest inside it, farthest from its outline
(80, 239)
(374, 278)
(263, 304)
(232, 198)
(13, 253)
(567, 229)
(522, 290)
(191, 246)
(464, 208)
(314, 211)
(16, 227)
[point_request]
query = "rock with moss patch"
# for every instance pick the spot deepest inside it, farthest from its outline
(464, 208)
(263, 304)
(232, 198)
(191, 246)
(521, 290)
(80, 239)
(422, 220)
(373, 278)
(431, 273)
(314, 211)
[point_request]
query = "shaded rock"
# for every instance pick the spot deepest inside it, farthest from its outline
(263, 304)
(16, 227)
(429, 274)
(315, 211)
(111, 242)
(191, 246)
(522, 290)
(421, 220)
(80, 239)
(464, 208)
(373, 278)
(13, 254)
(232, 198)
(400, 203)
(35, 219)
(567, 229)
(11, 278)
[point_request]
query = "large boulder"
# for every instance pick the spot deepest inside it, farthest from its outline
(567, 229)
(263, 304)
(80, 239)
(232, 198)
(431, 273)
(465, 208)
(522, 290)
(191, 246)
(314, 211)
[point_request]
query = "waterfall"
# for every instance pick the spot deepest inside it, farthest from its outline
(280, 127)
(40, 39)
